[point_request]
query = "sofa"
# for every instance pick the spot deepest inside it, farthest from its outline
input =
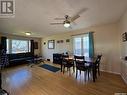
(20, 58)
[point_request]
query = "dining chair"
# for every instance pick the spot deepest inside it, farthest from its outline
(66, 62)
(81, 65)
(97, 64)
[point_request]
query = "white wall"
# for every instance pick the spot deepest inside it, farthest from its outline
(123, 28)
(106, 38)
(59, 48)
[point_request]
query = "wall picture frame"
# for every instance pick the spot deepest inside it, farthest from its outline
(35, 45)
(51, 44)
(61, 41)
(58, 41)
(124, 37)
(67, 40)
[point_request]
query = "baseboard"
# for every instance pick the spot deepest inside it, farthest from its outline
(117, 74)
(111, 72)
(124, 79)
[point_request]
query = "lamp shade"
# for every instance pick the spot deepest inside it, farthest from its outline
(66, 25)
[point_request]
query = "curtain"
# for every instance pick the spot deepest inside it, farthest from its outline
(4, 43)
(32, 47)
(91, 44)
(3, 56)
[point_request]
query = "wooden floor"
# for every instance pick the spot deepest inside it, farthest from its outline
(24, 80)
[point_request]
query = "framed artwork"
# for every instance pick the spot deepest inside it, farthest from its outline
(35, 45)
(67, 40)
(51, 44)
(58, 41)
(124, 36)
(61, 41)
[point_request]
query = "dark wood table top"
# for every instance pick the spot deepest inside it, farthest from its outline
(87, 59)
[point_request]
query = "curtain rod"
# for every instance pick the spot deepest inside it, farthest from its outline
(82, 33)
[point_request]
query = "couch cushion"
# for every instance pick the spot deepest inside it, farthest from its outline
(20, 57)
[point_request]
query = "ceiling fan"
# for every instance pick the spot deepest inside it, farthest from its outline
(67, 20)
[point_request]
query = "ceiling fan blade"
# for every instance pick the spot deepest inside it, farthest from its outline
(55, 23)
(59, 18)
(78, 14)
(74, 18)
(74, 23)
(82, 11)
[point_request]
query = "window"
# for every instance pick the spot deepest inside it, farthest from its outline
(18, 46)
(81, 45)
(77, 46)
(86, 45)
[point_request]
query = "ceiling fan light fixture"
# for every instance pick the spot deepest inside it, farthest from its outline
(66, 25)
(28, 33)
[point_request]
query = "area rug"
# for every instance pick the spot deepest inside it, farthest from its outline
(50, 68)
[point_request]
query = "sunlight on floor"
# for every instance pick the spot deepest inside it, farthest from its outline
(19, 78)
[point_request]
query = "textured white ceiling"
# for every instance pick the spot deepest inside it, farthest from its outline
(36, 15)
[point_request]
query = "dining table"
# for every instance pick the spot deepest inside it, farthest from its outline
(88, 60)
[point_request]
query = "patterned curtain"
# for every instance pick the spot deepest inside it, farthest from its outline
(3, 59)
(3, 56)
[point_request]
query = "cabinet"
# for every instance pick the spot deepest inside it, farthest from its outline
(57, 58)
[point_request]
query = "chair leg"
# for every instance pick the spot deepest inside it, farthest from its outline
(91, 72)
(85, 74)
(88, 74)
(80, 72)
(73, 68)
(76, 73)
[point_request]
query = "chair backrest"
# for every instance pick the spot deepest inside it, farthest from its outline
(98, 59)
(64, 58)
(79, 60)
(82, 58)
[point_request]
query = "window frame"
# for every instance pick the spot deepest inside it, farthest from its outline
(82, 44)
(9, 45)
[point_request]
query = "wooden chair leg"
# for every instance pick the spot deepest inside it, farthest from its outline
(80, 72)
(73, 68)
(88, 74)
(76, 73)
(85, 74)
(91, 73)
